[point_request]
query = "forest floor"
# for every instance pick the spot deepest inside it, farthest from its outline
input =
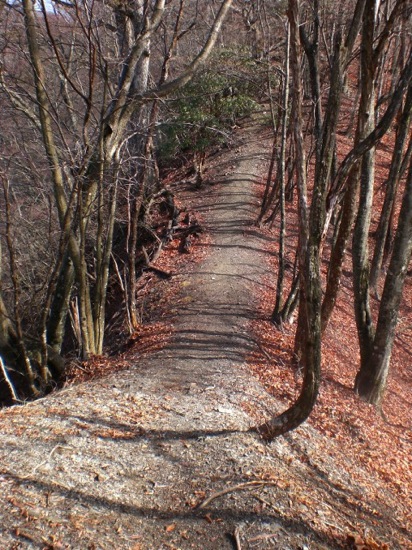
(160, 455)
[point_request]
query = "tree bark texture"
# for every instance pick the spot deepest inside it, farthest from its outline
(372, 376)
(360, 259)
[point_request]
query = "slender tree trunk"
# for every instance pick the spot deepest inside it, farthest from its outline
(76, 251)
(6, 326)
(271, 184)
(60, 305)
(360, 254)
(13, 332)
(7, 339)
(339, 249)
(281, 171)
(310, 288)
(371, 379)
(290, 305)
(391, 190)
(326, 159)
(348, 172)
(102, 278)
(86, 310)
(311, 50)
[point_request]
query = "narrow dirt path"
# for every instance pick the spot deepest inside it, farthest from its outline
(123, 462)
(211, 338)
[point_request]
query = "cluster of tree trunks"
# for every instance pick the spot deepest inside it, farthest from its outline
(90, 106)
(339, 204)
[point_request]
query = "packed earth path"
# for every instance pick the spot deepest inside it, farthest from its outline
(162, 456)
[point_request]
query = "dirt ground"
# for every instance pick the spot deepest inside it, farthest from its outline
(128, 461)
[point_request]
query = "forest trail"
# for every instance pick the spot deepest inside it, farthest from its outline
(210, 334)
(123, 462)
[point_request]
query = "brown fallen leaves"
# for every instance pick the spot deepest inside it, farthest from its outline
(381, 444)
(356, 542)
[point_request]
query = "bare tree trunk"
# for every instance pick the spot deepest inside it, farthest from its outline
(12, 342)
(60, 305)
(7, 339)
(339, 248)
(141, 188)
(391, 189)
(352, 184)
(371, 379)
(272, 183)
(281, 172)
(102, 268)
(360, 255)
(58, 178)
(311, 48)
(348, 171)
(310, 288)
(311, 224)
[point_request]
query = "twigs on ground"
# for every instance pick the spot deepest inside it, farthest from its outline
(55, 448)
(239, 487)
(8, 381)
(236, 535)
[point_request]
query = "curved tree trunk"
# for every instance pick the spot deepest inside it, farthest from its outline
(310, 288)
(311, 223)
